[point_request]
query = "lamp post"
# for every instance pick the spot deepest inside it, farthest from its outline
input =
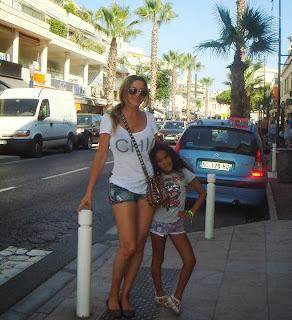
(279, 79)
(31, 73)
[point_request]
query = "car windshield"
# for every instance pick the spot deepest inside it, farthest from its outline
(83, 120)
(174, 125)
(219, 139)
(18, 107)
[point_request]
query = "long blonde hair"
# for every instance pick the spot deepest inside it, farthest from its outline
(115, 113)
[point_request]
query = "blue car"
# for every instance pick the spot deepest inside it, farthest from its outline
(234, 154)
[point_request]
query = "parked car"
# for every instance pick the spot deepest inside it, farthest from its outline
(88, 126)
(171, 131)
(234, 154)
(36, 119)
(159, 124)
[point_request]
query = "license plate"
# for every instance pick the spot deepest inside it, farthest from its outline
(216, 165)
(3, 142)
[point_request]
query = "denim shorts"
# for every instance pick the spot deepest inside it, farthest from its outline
(163, 229)
(118, 194)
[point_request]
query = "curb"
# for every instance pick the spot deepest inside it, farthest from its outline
(271, 203)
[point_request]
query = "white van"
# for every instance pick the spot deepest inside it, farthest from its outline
(35, 119)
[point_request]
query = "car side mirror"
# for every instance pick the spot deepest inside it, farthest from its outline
(41, 117)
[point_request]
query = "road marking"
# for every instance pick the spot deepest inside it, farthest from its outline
(112, 230)
(7, 189)
(69, 172)
(62, 174)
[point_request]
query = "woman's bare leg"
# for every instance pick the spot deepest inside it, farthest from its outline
(126, 216)
(158, 247)
(184, 248)
(143, 221)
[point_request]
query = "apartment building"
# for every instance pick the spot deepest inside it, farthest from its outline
(286, 85)
(41, 41)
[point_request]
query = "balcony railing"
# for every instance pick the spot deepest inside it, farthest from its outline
(17, 5)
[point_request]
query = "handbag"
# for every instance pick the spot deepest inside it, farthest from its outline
(156, 193)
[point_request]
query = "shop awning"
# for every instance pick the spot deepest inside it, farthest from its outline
(13, 82)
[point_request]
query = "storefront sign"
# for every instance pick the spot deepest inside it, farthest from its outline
(39, 77)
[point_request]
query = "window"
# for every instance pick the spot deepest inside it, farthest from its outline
(45, 108)
(220, 139)
(18, 107)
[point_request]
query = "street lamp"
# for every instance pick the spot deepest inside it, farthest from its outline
(279, 79)
(31, 73)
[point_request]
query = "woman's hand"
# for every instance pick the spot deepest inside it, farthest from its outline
(85, 202)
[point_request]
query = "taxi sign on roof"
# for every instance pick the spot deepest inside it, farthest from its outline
(241, 123)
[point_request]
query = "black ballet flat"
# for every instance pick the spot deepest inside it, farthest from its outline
(128, 313)
(114, 313)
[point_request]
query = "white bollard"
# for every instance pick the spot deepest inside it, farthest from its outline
(210, 206)
(274, 157)
(84, 263)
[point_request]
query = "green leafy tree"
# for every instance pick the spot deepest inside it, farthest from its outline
(224, 97)
(114, 23)
(253, 33)
(70, 7)
(157, 13)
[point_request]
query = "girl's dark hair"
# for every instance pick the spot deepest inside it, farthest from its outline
(178, 163)
(115, 113)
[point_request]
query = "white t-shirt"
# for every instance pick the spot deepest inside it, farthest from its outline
(176, 184)
(127, 171)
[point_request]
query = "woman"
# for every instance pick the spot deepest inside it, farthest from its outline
(127, 188)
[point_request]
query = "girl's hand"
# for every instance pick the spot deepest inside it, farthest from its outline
(85, 202)
(183, 215)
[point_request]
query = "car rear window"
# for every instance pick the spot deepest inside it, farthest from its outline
(174, 125)
(219, 139)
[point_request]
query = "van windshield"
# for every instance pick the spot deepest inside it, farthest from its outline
(18, 107)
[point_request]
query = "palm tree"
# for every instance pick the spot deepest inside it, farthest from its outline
(173, 59)
(198, 104)
(206, 82)
(158, 14)
(115, 25)
(240, 9)
(252, 81)
(190, 63)
(252, 33)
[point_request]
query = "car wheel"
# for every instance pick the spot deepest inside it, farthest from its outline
(36, 150)
(88, 143)
(69, 146)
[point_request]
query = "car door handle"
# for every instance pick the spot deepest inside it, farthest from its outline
(51, 124)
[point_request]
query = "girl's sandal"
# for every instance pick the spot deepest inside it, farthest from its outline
(163, 301)
(175, 304)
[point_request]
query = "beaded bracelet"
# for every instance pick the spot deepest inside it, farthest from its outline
(191, 214)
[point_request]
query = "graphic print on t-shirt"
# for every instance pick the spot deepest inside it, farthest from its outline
(173, 187)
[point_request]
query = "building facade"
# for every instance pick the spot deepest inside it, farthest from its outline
(43, 36)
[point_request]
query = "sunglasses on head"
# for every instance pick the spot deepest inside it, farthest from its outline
(143, 92)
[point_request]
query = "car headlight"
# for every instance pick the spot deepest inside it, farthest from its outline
(80, 130)
(21, 133)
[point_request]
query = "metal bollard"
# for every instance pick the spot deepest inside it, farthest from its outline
(84, 263)
(210, 206)
(274, 157)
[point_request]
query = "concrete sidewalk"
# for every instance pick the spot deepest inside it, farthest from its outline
(245, 272)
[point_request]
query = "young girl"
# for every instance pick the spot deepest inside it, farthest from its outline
(169, 221)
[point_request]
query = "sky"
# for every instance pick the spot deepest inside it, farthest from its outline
(196, 24)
